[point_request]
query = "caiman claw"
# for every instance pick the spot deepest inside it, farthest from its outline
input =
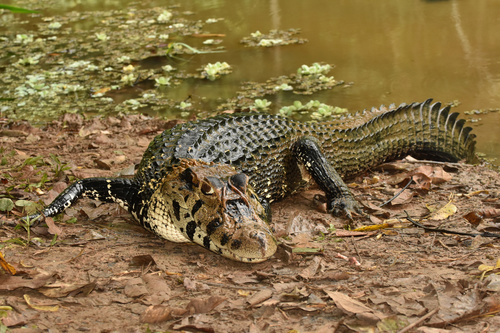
(347, 206)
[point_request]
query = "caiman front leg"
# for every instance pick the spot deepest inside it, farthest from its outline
(340, 201)
(120, 190)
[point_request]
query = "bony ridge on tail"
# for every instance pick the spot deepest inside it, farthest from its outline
(211, 181)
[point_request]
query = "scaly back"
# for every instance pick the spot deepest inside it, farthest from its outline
(424, 130)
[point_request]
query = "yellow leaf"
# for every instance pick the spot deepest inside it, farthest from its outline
(468, 195)
(444, 212)
(6, 266)
(243, 293)
(49, 308)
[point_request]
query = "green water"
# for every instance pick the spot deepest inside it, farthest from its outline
(392, 51)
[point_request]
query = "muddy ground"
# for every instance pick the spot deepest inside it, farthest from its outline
(103, 273)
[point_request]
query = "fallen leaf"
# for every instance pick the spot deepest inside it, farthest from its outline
(259, 297)
(471, 194)
(204, 305)
(160, 313)
(488, 268)
(6, 266)
(421, 182)
(156, 284)
(189, 284)
(439, 176)
(403, 198)
(474, 218)
(53, 228)
(47, 308)
(14, 282)
(14, 319)
(351, 306)
(306, 250)
(66, 289)
(101, 91)
(135, 288)
(444, 212)
(310, 271)
(194, 328)
(145, 260)
(350, 233)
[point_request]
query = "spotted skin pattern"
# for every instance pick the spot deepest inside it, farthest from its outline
(211, 181)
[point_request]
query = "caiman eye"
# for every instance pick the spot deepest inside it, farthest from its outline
(215, 182)
(240, 181)
(206, 188)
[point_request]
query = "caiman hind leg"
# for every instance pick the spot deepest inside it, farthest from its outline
(340, 201)
(120, 190)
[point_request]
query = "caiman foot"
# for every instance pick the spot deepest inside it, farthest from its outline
(346, 207)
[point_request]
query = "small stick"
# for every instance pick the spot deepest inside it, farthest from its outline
(397, 194)
(419, 321)
(483, 234)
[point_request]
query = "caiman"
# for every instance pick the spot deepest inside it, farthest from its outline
(211, 181)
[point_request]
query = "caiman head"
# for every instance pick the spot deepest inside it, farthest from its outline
(214, 206)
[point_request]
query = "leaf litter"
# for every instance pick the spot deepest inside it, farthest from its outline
(94, 262)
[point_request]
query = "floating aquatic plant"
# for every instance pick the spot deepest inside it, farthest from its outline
(214, 71)
(316, 69)
(317, 109)
(184, 105)
(55, 25)
(164, 17)
(284, 87)
(162, 81)
(273, 38)
(101, 36)
(261, 104)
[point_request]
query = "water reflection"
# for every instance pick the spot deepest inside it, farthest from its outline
(394, 51)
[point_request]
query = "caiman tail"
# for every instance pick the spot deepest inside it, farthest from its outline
(423, 130)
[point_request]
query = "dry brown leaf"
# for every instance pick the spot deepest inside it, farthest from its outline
(156, 284)
(194, 328)
(204, 305)
(259, 297)
(486, 307)
(349, 233)
(474, 218)
(53, 228)
(422, 182)
(160, 313)
(189, 284)
(14, 282)
(403, 198)
(243, 278)
(351, 306)
(484, 213)
(310, 271)
(440, 176)
(143, 260)
(65, 289)
(14, 319)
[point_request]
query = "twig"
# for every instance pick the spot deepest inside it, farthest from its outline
(419, 321)
(223, 285)
(356, 249)
(455, 164)
(482, 234)
(397, 194)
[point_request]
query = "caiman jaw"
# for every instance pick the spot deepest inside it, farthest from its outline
(214, 206)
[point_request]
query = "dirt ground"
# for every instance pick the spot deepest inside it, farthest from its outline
(103, 273)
